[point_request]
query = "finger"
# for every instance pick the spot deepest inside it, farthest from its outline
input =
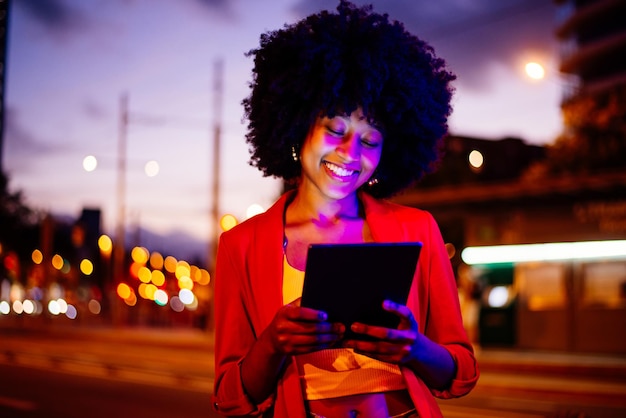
(407, 320)
(294, 312)
(402, 311)
(381, 333)
(304, 343)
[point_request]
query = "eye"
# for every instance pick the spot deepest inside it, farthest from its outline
(369, 144)
(336, 127)
(372, 139)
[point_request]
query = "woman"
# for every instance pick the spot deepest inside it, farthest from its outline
(349, 108)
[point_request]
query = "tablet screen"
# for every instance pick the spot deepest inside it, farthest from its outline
(350, 281)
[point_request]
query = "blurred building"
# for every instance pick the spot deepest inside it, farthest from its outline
(571, 305)
(592, 34)
(504, 193)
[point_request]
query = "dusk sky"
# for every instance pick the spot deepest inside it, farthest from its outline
(69, 62)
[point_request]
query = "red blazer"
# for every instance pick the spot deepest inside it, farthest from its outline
(248, 292)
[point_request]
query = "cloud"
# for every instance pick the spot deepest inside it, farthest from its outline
(94, 110)
(471, 35)
(222, 8)
(55, 17)
(21, 144)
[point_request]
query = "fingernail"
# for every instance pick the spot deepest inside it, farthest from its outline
(323, 316)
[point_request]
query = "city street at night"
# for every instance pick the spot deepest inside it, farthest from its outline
(126, 372)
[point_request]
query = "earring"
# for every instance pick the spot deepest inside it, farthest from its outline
(294, 153)
(372, 181)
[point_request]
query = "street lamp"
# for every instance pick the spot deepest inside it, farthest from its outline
(535, 70)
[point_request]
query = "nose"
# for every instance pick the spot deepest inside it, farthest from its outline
(350, 147)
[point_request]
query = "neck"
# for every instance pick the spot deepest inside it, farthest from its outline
(309, 207)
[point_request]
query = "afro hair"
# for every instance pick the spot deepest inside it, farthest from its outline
(332, 63)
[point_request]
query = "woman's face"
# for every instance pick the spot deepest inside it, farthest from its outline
(340, 154)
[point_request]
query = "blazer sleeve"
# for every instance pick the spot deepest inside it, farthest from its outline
(443, 320)
(234, 331)
(435, 301)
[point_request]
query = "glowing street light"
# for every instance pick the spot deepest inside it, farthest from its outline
(535, 71)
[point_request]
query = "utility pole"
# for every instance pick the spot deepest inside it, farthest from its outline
(119, 247)
(215, 190)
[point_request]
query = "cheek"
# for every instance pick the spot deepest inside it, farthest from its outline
(372, 160)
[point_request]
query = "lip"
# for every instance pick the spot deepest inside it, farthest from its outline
(340, 172)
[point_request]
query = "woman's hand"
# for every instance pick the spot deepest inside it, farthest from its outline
(395, 346)
(294, 330)
(406, 346)
(298, 330)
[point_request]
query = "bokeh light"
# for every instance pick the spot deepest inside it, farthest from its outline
(86, 267)
(170, 264)
(105, 244)
(95, 307)
(476, 159)
(535, 70)
(254, 209)
(186, 296)
(123, 290)
(71, 312)
(144, 274)
(227, 222)
(156, 260)
(90, 163)
(158, 278)
(140, 255)
(5, 308)
(57, 262)
(37, 257)
(160, 297)
(151, 168)
(17, 307)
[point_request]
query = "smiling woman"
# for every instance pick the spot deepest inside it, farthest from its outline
(349, 108)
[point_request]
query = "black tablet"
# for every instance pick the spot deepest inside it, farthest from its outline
(350, 281)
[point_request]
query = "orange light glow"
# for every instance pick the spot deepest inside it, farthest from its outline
(123, 291)
(158, 278)
(205, 277)
(144, 274)
(131, 300)
(134, 270)
(37, 257)
(182, 269)
(156, 260)
(57, 262)
(227, 222)
(105, 244)
(170, 264)
(139, 255)
(86, 267)
(185, 282)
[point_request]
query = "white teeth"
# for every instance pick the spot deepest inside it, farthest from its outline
(341, 172)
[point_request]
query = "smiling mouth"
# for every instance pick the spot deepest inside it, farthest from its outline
(339, 171)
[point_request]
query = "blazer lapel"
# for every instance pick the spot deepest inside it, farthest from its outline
(266, 262)
(383, 224)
